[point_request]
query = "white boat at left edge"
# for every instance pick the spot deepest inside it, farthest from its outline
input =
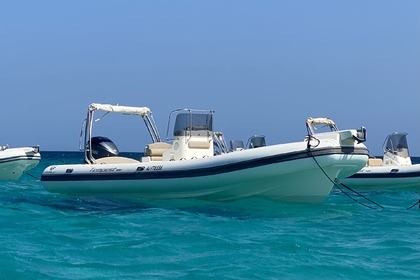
(195, 162)
(15, 161)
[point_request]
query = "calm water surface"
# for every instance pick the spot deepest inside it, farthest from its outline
(50, 236)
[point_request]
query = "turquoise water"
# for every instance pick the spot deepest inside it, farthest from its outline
(50, 236)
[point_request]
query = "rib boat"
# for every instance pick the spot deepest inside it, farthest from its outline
(15, 161)
(394, 170)
(195, 162)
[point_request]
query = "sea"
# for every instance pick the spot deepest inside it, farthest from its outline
(369, 235)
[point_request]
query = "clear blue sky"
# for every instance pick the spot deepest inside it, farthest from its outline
(263, 66)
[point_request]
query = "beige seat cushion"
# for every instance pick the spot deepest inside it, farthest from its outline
(375, 162)
(157, 149)
(197, 144)
(112, 160)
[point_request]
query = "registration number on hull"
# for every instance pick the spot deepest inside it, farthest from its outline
(154, 168)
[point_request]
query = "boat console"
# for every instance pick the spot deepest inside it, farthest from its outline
(192, 135)
(396, 150)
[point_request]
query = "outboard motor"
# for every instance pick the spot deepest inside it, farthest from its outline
(103, 147)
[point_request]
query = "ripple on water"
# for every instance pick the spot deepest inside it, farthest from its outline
(47, 236)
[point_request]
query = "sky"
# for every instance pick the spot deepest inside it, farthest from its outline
(263, 66)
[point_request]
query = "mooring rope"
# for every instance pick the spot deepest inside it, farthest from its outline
(417, 203)
(33, 176)
(359, 194)
(336, 182)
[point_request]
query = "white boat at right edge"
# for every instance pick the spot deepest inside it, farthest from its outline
(393, 171)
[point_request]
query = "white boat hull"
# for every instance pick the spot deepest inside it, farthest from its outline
(284, 172)
(385, 177)
(15, 161)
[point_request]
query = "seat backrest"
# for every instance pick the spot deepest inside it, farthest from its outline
(156, 149)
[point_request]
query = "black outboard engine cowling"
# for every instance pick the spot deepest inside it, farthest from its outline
(103, 147)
